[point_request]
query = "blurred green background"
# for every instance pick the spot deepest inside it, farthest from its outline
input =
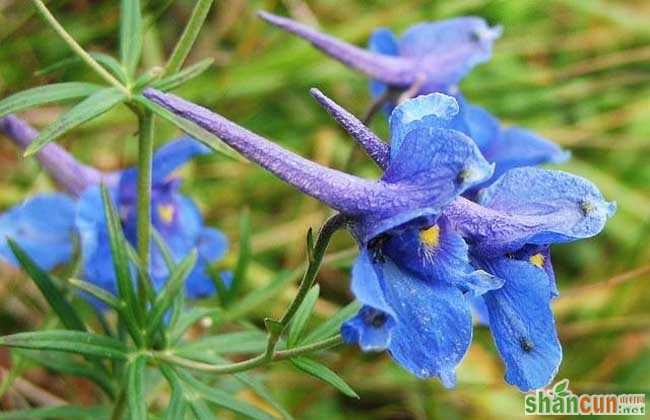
(576, 71)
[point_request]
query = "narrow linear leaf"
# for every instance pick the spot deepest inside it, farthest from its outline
(97, 292)
(222, 398)
(189, 318)
(91, 107)
(185, 75)
(59, 412)
(187, 39)
(192, 129)
(51, 293)
(244, 258)
(333, 325)
(171, 289)
(110, 63)
(302, 316)
(121, 263)
(238, 342)
(46, 94)
(136, 398)
(323, 373)
(164, 249)
(69, 365)
(68, 341)
(178, 402)
(130, 34)
(201, 410)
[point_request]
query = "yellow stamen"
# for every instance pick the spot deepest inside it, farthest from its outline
(166, 213)
(431, 236)
(537, 259)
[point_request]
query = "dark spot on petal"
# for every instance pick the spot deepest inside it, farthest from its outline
(526, 345)
(474, 36)
(375, 318)
(375, 247)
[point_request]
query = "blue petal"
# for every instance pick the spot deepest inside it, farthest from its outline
(174, 154)
(371, 328)
(381, 41)
(212, 244)
(43, 226)
(95, 243)
(433, 324)
(544, 251)
(427, 111)
(517, 147)
(446, 260)
(483, 127)
(198, 283)
(541, 207)
(449, 49)
(522, 324)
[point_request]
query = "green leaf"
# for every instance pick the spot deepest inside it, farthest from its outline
(201, 410)
(91, 107)
(174, 81)
(58, 412)
(130, 34)
(178, 401)
(302, 316)
(192, 129)
(68, 341)
(243, 260)
(46, 94)
(324, 374)
(97, 292)
(172, 288)
(136, 397)
(333, 325)
(70, 365)
(222, 398)
(188, 318)
(110, 63)
(121, 265)
(51, 293)
(238, 342)
(187, 39)
(164, 249)
(258, 297)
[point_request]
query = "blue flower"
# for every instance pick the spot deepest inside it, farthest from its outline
(425, 251)
(48, 240)
(434, 57)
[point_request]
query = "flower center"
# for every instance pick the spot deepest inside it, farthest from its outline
(537, 259)
(166, 213)
(431, 236)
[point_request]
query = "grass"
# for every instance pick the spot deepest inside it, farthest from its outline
(577, 72)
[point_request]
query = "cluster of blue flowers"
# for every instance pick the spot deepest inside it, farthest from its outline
(461, 218)
(45, 226)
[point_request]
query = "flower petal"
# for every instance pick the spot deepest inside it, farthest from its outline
(522, 323)
(382, 41)
(483, 127)
(449, 49)
(43, 226)
(426, 111)
(433, 324)
(212, 244)
(530, 206)
(517, 147)
(174, 154)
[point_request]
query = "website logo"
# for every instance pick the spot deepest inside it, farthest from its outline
(560, 400)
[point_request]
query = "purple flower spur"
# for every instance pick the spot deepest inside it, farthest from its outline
(425, 251)
(45, 225)
(433, 57)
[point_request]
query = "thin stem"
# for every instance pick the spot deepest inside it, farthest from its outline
(145, 156)
(187, 39)
(254, 362)
(120, 404)
(77, 48)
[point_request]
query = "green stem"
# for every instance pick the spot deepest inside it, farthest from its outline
(120, 404)
(77, 48)
(145, 156)
(187, 39)
(254, 362)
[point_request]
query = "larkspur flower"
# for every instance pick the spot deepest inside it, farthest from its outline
(425, 251)
(46, 224)
(433, 57)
